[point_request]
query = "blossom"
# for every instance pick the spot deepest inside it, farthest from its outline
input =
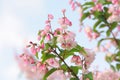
(57, 75)
(64, 22)
(53, 62)
(89, 58)
(33, 69)
(90, 34)
(67, 40)
(97, 7)
(115, 17)
(76, 59)
(107, 75)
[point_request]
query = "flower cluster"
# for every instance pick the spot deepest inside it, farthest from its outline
(49, 58)
(115, 11)
(91, 34)
(33, 69)
(107, 75)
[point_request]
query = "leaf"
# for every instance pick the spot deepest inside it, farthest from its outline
(108, 33)
(48, 73)
(85, 15)
(37, 55)
(64, 67)
(74, 79)
(118, 66)
(95, 25)
(102, 26)
(113, 25)
(81, 49)
(99, 42)
(46, 56)
(76, 69)
(89, 76)
(89, 4)
(112, 67)
(108, 59)
(85, 8)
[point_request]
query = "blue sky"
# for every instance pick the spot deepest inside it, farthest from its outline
(20, 21)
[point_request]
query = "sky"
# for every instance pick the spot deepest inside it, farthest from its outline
(20, 21)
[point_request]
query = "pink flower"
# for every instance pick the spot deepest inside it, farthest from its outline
(76, 60)
(48, 37)
(89, 58)
(95, 35)
(64, 22)
(118, 27)
(33, 50)
(67, 40)
(53, 62)
(47, 28)
(64, 10)
(57, 75)
(50, 16)
(97, 7)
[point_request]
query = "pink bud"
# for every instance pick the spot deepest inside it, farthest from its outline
(38, 49)
(47, 22)
(70, 1)
(48, 37)
(42, 46)
(64, 10)
(43, 33)
(118, 28)
(33, 50)
(47, 28)
(50, 16)
(95, 35)
(39, 37)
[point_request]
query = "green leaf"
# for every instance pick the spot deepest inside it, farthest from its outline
(46, 56)
(89, 4)
(109, 59)
(112, 67)
(108, 33)
(48, 73)
(85, 8)
(74, 79)
(81, 49)
(64, 67)
(113, 26)
(102, 26)
(96, 25)
(100, 41)
(37, 55)
(76, 69)
(66, 53)
(118, 66)
(89, 76)
(84, 16)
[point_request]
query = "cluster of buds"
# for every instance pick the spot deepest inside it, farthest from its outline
(106, 75)
(90, 34)
(115, 11)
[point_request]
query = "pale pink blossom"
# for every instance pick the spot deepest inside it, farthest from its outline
(53, 62)
(97, 7)
(50, 16)
(57, 75)
(89, 58)
(76, 59)
(64, 22)
(107, 75)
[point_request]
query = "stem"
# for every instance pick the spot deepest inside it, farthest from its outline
(66, 64)
(116, 41)
(109, 26)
